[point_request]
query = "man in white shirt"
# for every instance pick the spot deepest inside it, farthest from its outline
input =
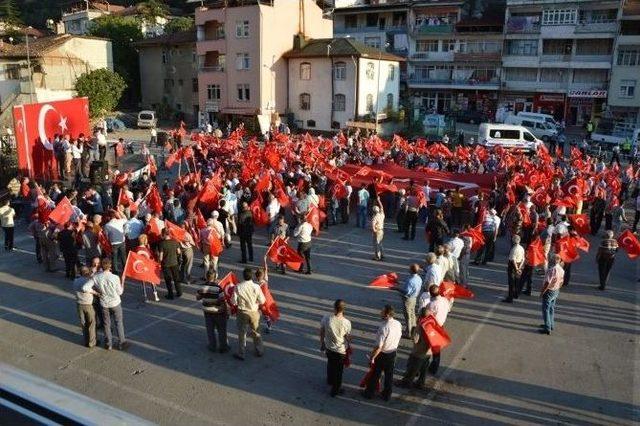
(109, 287)
(335, 336)
(490, 229)
(383, 355)
(273, 210)
(514, 268)
(303, 235)
(363, 203)
(114, 229)
(101, 140)
(377, 230)
(248, 297)
(438, 306)
(7, 215)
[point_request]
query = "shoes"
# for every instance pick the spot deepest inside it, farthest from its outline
(238, 357)
(544, 331)
(386, 397)
(107, 346)
(224, 350)
(527, 293)
(123, 346)
(308, 273)
(242, 261)
(178, 295)
(366, 395)
(601, 288)
(405, 238)
(507, 300)
(169, 296)
(259, 354)
(212, 348)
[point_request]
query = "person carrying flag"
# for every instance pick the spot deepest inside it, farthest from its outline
(210, 261)
(418, 358)
(335, 338)
(248, 297)
(215, 312)
(605, 257)
(169, 252)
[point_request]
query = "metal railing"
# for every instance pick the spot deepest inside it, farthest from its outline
(212, 68)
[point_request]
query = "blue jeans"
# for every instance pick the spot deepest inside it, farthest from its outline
(548, 308)
(361, 219)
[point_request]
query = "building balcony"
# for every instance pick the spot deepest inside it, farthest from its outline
(551, 86)
(576, 61)
(203, 47)
(519, 25)
(597, 27)
(432, 56)
(418, 82)
(528, 61)
(477, 56)
(432, 29)
(366, 29)
(212, 68)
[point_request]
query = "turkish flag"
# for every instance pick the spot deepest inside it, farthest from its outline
(176, 232)
(575, 188)
(263, 184)
(142, 268)
(154, 201)
(315, 217)
(123, 199)
(280, 252)
(566, 249)
(540, 198)
(434, 333)
(200, 222)
(228, 285)
(260, 216)
(171, 160)
(630, 244)
(104, 243)
(62, 213)
(580, 223)
(451, 290)
(385, 281)
(209, 194)
(269, 308)
(567, 201)
(581, 243)
(477, 237)
(368, 376)
(215, 245)
(36, 124)
(153, 230)
(535, 253)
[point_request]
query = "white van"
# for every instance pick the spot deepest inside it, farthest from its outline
(147, 119)
(539, 116)
(540, 128)
(507, 136)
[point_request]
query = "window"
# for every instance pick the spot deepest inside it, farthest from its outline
(527, 123)
(559, 16)
(369, 103)
(194, 56)
(590, 76)
(194, 85)
(522, 47)
(351, 21)
(370, 71)
(244, 94)
(594, 47)
(448, 45)
(165, 57)
(627, 88)
(242, 29)
(168, 84)
(557, 47)
(372, 20)
(427, 46)
(305, 101)
(179, 106)
(339, 102)
(554, 75)
(389, 101)
(629, 55)
(528, 137)
(213, 92)
(391, 74)
(372, 42)
(305, 71)
(242, 61)
(180, 82)
(340, 71)
(504, 134)
(521, 74)
(311, 123)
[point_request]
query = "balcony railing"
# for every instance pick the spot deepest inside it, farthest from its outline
(366, 29)
(432, 56)
(575, 58)
(597, 27)
(453, 82)
(212, 68)
(518, 25)
(433, 29)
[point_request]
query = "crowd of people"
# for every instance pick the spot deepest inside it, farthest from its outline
(296, 185)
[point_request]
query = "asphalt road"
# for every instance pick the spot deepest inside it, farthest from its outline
(498, 370)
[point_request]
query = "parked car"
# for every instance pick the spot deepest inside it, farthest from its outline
(548, 118)
(115, 125)
(471, 116)
(147, 119)
(539, 127)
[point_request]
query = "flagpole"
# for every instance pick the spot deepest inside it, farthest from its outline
(144, 291)
(124, 270)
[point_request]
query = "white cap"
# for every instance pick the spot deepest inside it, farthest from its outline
(215, 214)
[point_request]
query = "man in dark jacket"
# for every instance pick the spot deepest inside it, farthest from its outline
(69, 248)
(245, 232)
(438, 229)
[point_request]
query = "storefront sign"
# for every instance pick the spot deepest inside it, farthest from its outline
(551, 98)
(587, 93)
(212, 106)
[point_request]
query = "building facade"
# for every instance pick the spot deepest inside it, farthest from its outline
(336, 81)
(242, 71)
(453, 53)
(169, 75)
(558, 57)
(623, 114)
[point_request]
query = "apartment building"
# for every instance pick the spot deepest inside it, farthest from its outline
(240, 48)
(453, 49)
(169, 74)
(336, 81)
(557, 57)
(623, 114)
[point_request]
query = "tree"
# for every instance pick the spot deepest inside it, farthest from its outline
(122, 31)
(9, 13)
(181, 23)
(104, 89)
(150, 10)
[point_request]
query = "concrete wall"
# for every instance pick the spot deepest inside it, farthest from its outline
(379, 87)
(620, 72)
(319, 87)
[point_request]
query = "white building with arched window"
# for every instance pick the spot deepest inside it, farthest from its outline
(333, 81)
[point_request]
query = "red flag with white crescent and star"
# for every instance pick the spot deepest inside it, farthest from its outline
(62, 213)
(141, 268)
(280, 252)
(36, 124)
(580, 223)
(630, 244)
(434, 333)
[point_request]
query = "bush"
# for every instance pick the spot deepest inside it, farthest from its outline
(103, 87)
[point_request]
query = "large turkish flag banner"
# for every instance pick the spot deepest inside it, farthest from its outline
(35, 126)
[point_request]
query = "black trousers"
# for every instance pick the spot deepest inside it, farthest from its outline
(567, 274)
(383, 363)
(70, 263)
(400, 220)
(512, 281)
(60, 160)
(526, 279)
(636, 219)
(596, 215)
(246, 247)
(304, 249)
(216, 325)
(487, 252)
(410, 220)
(171, 280)
(335, 367)
(416, 367)
(8, 237)
(604, 268)
(344, 209)
(102, 150)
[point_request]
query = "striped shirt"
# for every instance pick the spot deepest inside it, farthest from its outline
(212, 298)
(608, 247)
